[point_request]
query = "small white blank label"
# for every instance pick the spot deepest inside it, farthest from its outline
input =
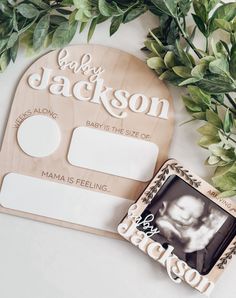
(113, 154)
(63, 202)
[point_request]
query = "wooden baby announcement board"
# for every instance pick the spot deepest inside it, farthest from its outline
(88, 128)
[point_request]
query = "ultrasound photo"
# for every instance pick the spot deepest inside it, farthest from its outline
(187, 221)
(196, 227)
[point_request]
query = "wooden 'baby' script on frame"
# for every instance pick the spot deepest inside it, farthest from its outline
(88, 128)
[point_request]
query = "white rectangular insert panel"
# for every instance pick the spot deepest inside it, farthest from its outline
(63, 202)
(113, 154)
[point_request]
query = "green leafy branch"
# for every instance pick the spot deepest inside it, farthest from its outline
(38, 24)
(209, 75)
(34, 23)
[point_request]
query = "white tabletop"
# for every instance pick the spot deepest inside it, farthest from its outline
(44, 261)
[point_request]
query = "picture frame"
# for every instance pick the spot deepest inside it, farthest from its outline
(181, 222)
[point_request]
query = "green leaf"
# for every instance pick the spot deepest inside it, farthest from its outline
(80, 4)
(101, 19)
(3, 43)
(200, 24)
(155, 62)
(222, 170)
(221, 163)
(232, 64)
(199, 70)
(40, 4)
(234, 24)
(191, 38)
(227, 142)
(184, 6)
(67, 2)
(222, 24)
(159, 71)
(12, 40)
(189, 81)
(222, 48)
(11, 2)
(40, 32)
(63, 11)
(172, 33)
(213, 160)
(169, 59)
(206, 141)
(212, 3)
(134, 13)
(14, 22)
(14, 50)
(4, 8)
(219, 66)
(225, 11)
(82, 26)
(147, 44)
(81, 16)
(207, 59)
(228, 155)
(219, 97)
(199, 115)
(216, 49)
(227, 194)
(167, 6)
(57, 20)
(225, 182)
(153, 46)
(109, 9)
(182, 71)
(190, 104)
(28, 11)
(228, 121)
(200, 10)
(115, 24)
(226, 47)
(199, 96)
(4, 60)
(170, 76)
(92, 28)
(64, 34)
(208, 130)
(216, 84)
(157, 44)
(214, 119)
(184, 58)
(217, 150)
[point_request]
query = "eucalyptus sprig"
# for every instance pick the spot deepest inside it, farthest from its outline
(209, 73)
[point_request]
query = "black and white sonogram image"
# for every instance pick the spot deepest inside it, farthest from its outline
(196, 227)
